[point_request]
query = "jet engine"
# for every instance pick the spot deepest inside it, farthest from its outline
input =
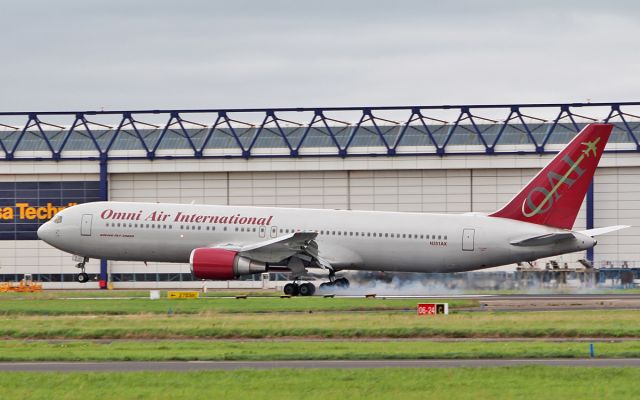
(221, 264)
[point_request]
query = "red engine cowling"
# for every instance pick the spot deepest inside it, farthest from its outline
(221, 264)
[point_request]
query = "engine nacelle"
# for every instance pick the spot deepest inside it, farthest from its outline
(221, 264)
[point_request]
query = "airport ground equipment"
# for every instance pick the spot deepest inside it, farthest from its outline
(26, 285)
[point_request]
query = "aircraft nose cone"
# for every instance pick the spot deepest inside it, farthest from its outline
(44, 232)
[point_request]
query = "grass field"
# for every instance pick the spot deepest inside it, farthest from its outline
(390, 324)
(57, 306)
(18, 350)
(462, 383)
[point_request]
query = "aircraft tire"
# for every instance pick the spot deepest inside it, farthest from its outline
(291, 289)
(342, 283)
(307, 289)
(82, 277)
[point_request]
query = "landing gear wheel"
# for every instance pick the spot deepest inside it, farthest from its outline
(82, 277)
(307, 289)
(327, 286)
(291, 289)
(342, 283)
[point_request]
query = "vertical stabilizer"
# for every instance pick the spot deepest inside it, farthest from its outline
(554, 196)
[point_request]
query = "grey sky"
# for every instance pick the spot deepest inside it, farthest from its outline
(63, 55)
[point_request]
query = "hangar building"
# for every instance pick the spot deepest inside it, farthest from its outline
(449, 159)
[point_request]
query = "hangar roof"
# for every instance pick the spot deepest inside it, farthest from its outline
(311, 132)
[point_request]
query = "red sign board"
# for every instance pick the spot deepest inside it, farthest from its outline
(433, 308)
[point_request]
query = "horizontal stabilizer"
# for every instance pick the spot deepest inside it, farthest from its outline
(542, 240)
(604, 230)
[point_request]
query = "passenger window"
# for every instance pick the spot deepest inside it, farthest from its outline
(199, 227)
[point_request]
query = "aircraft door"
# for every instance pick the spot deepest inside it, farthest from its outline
(262, 231)
(85, 225)
(467, 239)
(274, 231)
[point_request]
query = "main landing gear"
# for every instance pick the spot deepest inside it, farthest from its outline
(82, 277)
(340, 283)
(303, 289)
(308, 288)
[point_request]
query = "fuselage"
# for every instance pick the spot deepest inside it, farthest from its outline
(366, 240)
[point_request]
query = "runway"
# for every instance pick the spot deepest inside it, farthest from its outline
(186, 366)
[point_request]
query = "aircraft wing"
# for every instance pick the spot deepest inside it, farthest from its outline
(541, 240)
(278, 249)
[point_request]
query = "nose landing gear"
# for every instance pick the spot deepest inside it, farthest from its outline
(82, 276)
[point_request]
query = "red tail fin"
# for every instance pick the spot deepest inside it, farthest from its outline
(554, 196)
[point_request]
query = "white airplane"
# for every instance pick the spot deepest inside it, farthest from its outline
(224, 242)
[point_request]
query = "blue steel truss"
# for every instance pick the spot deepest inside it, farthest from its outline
(310, 132)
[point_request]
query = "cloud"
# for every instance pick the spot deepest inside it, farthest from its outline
(202, 54)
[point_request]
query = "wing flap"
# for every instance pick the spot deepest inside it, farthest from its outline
(278, 249)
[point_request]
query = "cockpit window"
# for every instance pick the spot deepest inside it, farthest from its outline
(57, 219)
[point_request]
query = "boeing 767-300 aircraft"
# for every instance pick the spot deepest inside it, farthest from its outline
(224, 242)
